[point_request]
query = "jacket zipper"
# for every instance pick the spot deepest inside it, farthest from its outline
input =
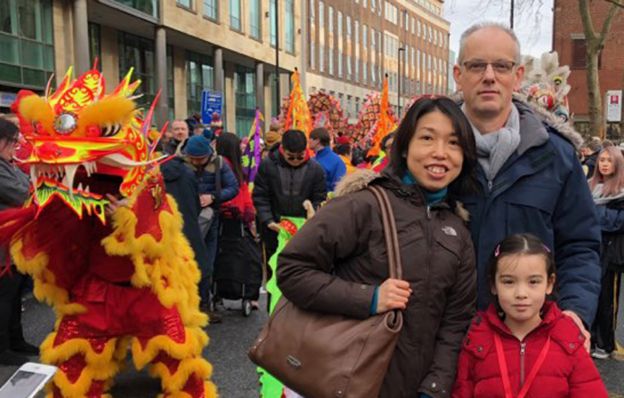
(522, 352)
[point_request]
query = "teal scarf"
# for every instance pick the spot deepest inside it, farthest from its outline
(430, 197)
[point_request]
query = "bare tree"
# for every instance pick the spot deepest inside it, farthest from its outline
(594, 42)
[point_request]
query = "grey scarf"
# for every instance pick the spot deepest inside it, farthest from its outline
(496, 147)
(600, 199)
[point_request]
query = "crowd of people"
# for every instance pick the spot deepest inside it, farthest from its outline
(512, 248)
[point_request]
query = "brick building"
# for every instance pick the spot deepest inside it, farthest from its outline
(352, 44)
(569, 42)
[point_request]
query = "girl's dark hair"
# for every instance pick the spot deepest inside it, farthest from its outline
(228, 146)
(466, 181)
(520, 244)
(8, 131)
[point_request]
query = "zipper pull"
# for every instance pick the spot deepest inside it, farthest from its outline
(522, 348)
(428, 213)
(490, 185)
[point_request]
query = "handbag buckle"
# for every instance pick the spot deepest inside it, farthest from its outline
(294, 362)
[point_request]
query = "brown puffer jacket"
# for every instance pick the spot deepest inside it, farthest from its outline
(334, 262)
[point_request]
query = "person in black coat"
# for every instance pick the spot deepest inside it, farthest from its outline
(181, 183)
(14, 188)
(286, 178)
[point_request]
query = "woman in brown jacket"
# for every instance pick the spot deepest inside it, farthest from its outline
(337, 263)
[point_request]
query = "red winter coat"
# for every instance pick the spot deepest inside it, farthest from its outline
(567, 371)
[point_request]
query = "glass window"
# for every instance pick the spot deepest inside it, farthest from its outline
(339, 45)
(245, 93)
(364, 60)
(149, 7)
(290, 25)
(272, 17)
(185, 3)
(138, 53)
(235, 14)
(26, 46)
(199, 77)
(254, 19)
(95, 48)
(211, 9)
(356, 52)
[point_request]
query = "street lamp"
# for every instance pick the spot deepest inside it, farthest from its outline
(401, 49)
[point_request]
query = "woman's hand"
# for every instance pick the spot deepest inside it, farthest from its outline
(393, 294)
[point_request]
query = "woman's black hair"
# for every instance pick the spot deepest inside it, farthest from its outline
(466, 181)
(228, 146)
(520, 244)
(294, 141)
(9, 132)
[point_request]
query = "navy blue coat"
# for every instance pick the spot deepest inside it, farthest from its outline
(207, 181)
(542, 190)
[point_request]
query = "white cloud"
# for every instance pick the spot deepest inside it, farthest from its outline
(532, 25)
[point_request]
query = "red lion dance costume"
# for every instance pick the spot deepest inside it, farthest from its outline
(122, 281)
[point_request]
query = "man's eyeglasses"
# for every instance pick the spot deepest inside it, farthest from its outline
(292, 158)
(499, 67)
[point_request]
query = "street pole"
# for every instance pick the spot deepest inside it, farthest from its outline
(511, 15)
(401, 49)
(277, 75)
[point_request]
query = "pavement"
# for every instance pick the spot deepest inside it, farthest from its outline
(234, 375)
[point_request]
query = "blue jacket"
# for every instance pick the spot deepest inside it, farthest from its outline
(542, 190)
(334, 167)
(207, 181)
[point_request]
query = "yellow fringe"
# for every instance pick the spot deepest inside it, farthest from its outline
(75, 346)
(196, 339)
(187, 367)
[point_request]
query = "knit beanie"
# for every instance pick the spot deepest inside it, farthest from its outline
(198, 147)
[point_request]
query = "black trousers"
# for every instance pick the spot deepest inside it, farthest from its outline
(603, 329)
(11, 286)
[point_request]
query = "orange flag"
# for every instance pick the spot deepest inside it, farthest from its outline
(384, 123)
(298, 115)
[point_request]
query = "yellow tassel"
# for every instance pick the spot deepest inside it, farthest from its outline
(195, 340)
(187, 367)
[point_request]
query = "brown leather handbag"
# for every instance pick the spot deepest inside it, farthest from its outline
(324, 355)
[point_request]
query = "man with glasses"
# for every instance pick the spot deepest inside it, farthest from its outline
(286, 178)
(530, 178)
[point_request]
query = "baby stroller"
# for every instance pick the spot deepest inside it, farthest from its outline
(238, 266)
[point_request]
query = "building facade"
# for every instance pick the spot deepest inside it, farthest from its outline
(181, 47)
(352, 44)
(569, 42)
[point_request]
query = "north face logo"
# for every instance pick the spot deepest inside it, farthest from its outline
(450, 231)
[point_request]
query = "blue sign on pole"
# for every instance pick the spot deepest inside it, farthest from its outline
(211, 102)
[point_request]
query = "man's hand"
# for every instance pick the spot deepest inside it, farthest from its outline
(580, 325)
(273, 226)
(393, 294)
(205, 200)
(114, 204)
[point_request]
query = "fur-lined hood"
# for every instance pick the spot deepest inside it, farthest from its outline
(362, 178)
(565, 129)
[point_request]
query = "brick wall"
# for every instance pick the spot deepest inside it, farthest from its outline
(568, 25)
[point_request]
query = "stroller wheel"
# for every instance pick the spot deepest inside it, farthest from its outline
(246, 307)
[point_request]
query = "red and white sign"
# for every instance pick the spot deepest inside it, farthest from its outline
(614, 106)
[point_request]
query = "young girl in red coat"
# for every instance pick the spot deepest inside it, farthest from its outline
(523, 346)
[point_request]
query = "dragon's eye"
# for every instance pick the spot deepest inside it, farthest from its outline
(110, 130)
(65, 123)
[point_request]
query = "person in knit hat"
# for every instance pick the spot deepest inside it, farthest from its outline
(216, 184)
(343, 149)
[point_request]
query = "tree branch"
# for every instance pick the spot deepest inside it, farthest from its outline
(617, 3)
(606, 26)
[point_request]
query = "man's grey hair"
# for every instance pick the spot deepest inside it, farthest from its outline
(485, 25)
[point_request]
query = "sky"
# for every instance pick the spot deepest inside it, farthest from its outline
(532, 20)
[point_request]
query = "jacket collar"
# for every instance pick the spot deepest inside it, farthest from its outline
(561, 329)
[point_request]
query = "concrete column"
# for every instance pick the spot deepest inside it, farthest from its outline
(260, 87)
(81, 37)
(219, 85)
(160, 58)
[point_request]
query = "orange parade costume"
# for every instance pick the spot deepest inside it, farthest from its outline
(119, 281)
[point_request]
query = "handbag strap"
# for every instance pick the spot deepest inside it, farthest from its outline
(395, 265)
